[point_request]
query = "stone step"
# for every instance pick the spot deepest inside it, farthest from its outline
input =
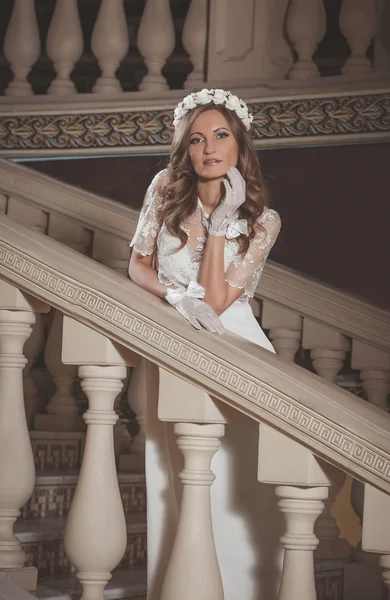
(124, 585)
(54, 491)
(42, 541)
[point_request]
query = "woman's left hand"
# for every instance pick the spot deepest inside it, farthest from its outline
(224, 214)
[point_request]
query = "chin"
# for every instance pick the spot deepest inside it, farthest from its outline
(213, 173)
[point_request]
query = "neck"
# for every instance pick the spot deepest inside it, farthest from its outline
(209, 191)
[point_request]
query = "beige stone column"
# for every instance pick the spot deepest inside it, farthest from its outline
(110, 43)
(376, 530)
(194, 41)
(193, 570)
(362, 576)
(64, 45)
(305, 26)
(301, 507)
(156, 42)
(21, 46)
(32, 349)
(302, 485)
(96, 532)
(374, 366)
(17, 470)
(359, 21)
(285, 329)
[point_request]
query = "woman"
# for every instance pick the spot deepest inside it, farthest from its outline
(202, 240)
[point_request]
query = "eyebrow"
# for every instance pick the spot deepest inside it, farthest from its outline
(214, 130)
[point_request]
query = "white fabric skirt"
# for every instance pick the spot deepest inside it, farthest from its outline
(247, 525)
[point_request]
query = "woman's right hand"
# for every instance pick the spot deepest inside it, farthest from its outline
(199, 314)
(225, 212)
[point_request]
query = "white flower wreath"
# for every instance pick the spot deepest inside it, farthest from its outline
(205, 96)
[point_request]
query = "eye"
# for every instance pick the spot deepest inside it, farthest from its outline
(222, 134)
(195, 140)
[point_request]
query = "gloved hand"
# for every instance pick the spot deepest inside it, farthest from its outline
(188, 303)
(225, 213)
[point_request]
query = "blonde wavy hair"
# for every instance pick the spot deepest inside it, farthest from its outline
(178, 188)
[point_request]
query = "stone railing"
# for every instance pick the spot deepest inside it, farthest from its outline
(243, 48)
(297, 311)
(307, 425)
(245, 45)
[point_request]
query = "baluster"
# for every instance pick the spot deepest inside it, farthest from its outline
(284, 329)
(374, 366)
(328, 351)
(22, 46)
(110, 43)
(362, 578)
(64, 45)
(301, 507)
(376, 537)
(281, 460)
(382, 41)
(358, 23)
(331, 546)
(327, 348)
(62, 409)
(305, 26)
(194, 41)
(96, 533)
(142, 384)
(114, 253)
(194, 550)
(17, 471)
(32, 349)
(156, 42)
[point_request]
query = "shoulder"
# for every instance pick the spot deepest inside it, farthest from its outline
(270, 220)
(157, 180)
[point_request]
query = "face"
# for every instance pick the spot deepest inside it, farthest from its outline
(213, 148)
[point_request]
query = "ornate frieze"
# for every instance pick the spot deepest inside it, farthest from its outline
(293, 120)
(330, 438)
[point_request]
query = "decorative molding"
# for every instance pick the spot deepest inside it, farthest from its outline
(295, 120)
(347, 447)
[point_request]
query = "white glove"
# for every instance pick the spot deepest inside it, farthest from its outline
(226, 212)
(188, 303)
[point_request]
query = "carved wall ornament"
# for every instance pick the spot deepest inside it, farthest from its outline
(277, 122)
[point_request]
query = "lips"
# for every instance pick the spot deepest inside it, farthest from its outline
(211, 162)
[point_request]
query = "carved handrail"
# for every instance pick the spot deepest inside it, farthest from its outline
(346, 313)
(343, 430)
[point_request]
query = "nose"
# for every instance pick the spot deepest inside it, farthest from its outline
(209, 147)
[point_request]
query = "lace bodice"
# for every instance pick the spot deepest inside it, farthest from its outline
(179, 267)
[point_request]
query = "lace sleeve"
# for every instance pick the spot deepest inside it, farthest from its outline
(145, 237)
(245, 270)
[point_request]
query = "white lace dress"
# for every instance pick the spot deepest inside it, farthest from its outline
(244, 513)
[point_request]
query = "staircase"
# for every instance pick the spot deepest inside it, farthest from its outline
(323, 328)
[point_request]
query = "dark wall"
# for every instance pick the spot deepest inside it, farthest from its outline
(334, 203)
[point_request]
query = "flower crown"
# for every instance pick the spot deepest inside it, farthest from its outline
(226, 99)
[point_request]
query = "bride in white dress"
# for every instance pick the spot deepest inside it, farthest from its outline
(203, 237)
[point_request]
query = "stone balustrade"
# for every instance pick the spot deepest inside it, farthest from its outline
(306, 423)
(243, 46)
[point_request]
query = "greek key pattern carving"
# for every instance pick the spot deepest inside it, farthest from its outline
(204, 363)
(276, 121)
